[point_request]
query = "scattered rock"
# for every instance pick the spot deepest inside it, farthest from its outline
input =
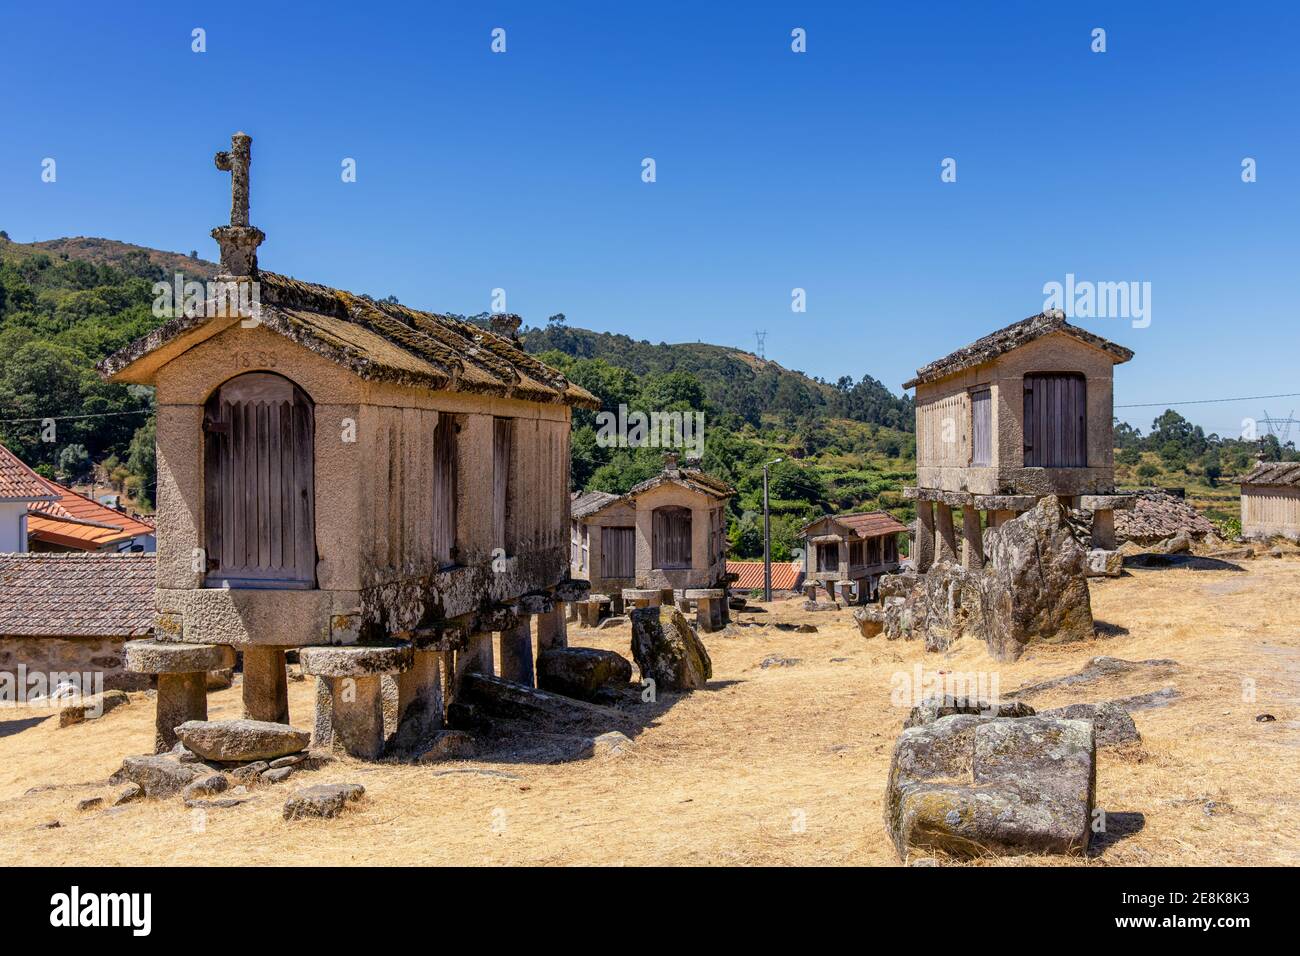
(449, 745)
(206, 786)
(870, 619)
(1265, 718)
(806, 629)
(1105, 564)
(220, 679)
(93, 707)
(290, 761)
(1114, 726)
(1180, 543)
(967, 785)
(90, 803)
(776, 660)
(581, 671)
(484, 696)
(815, 606)
(613, 743)
(928, 711)
(478, 772)
(240, 740)
(323, 800)
(1155, 698)
(1099, 668)
(667, 649)
(49, 825)
(1216, 808)
(250, 773)
(159, 775)
(617, 620)
(127, 793)
(278, 775)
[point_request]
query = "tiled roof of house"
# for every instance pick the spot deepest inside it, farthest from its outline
(865, 524)
(17, 481)
(786, 575)
(1013, 336)
(1156, 515)
(377, 341)
(589, 502)
(76, 595)
(1285, 474)
(76, 521)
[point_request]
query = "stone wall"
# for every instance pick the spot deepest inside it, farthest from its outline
(52, 655)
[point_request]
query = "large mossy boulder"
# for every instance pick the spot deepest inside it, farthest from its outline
(667, 649)
(969, 785)
(1032, 588)
(1034, 583)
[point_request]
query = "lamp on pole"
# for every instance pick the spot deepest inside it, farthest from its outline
(767, 536)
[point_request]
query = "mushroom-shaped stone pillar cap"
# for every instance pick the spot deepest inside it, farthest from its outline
(355, 660)
(173, 657)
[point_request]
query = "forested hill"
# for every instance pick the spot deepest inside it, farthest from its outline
(735, 382)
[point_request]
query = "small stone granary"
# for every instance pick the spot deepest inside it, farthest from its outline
(1270, 500)
(1022, 413)
(379, 487)
(665, 540)
(850, 550)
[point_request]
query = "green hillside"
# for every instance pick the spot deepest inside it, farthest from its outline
(845, 446)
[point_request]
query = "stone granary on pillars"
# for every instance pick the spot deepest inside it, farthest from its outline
(1022, 413)
(381, 487)
(1270, 500)
(665, 540)
(850, 552)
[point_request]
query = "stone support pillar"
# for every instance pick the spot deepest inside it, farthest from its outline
(945, 533)
(266, 686)
(923, 546)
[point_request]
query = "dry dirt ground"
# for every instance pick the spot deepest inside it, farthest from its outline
(776, 765)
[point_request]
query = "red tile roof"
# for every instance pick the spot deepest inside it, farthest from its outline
(76, 595)
(865, 524)
(75, 521)
(786, 575)
(17, 481)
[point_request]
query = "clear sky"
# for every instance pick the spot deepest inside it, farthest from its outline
(775, 170)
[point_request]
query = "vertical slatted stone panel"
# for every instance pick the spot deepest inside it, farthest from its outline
(259, 484)
(981, 414)
(444, 491)
(502, 448)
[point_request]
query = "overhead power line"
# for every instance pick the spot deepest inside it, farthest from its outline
(64, 418)
(1211, 401)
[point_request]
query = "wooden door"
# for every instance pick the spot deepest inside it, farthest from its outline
(672, 537)
(1056, 424)
(259, 484)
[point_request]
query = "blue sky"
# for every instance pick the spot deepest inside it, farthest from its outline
(775, 170)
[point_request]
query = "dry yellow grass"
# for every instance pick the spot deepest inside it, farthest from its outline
(727, 775)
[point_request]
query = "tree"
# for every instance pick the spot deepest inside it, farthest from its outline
(142, 461)
(74, 462)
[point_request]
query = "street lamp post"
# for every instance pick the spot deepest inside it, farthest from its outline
(767, 536)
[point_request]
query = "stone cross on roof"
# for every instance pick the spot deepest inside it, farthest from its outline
(236, 163)
(239, 240)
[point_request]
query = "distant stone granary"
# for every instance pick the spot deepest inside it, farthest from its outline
(1022, 413)
(1270, 500)
(851, 550)
(668, 534)
(380, 486)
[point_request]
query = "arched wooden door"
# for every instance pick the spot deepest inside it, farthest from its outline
(260, 521)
